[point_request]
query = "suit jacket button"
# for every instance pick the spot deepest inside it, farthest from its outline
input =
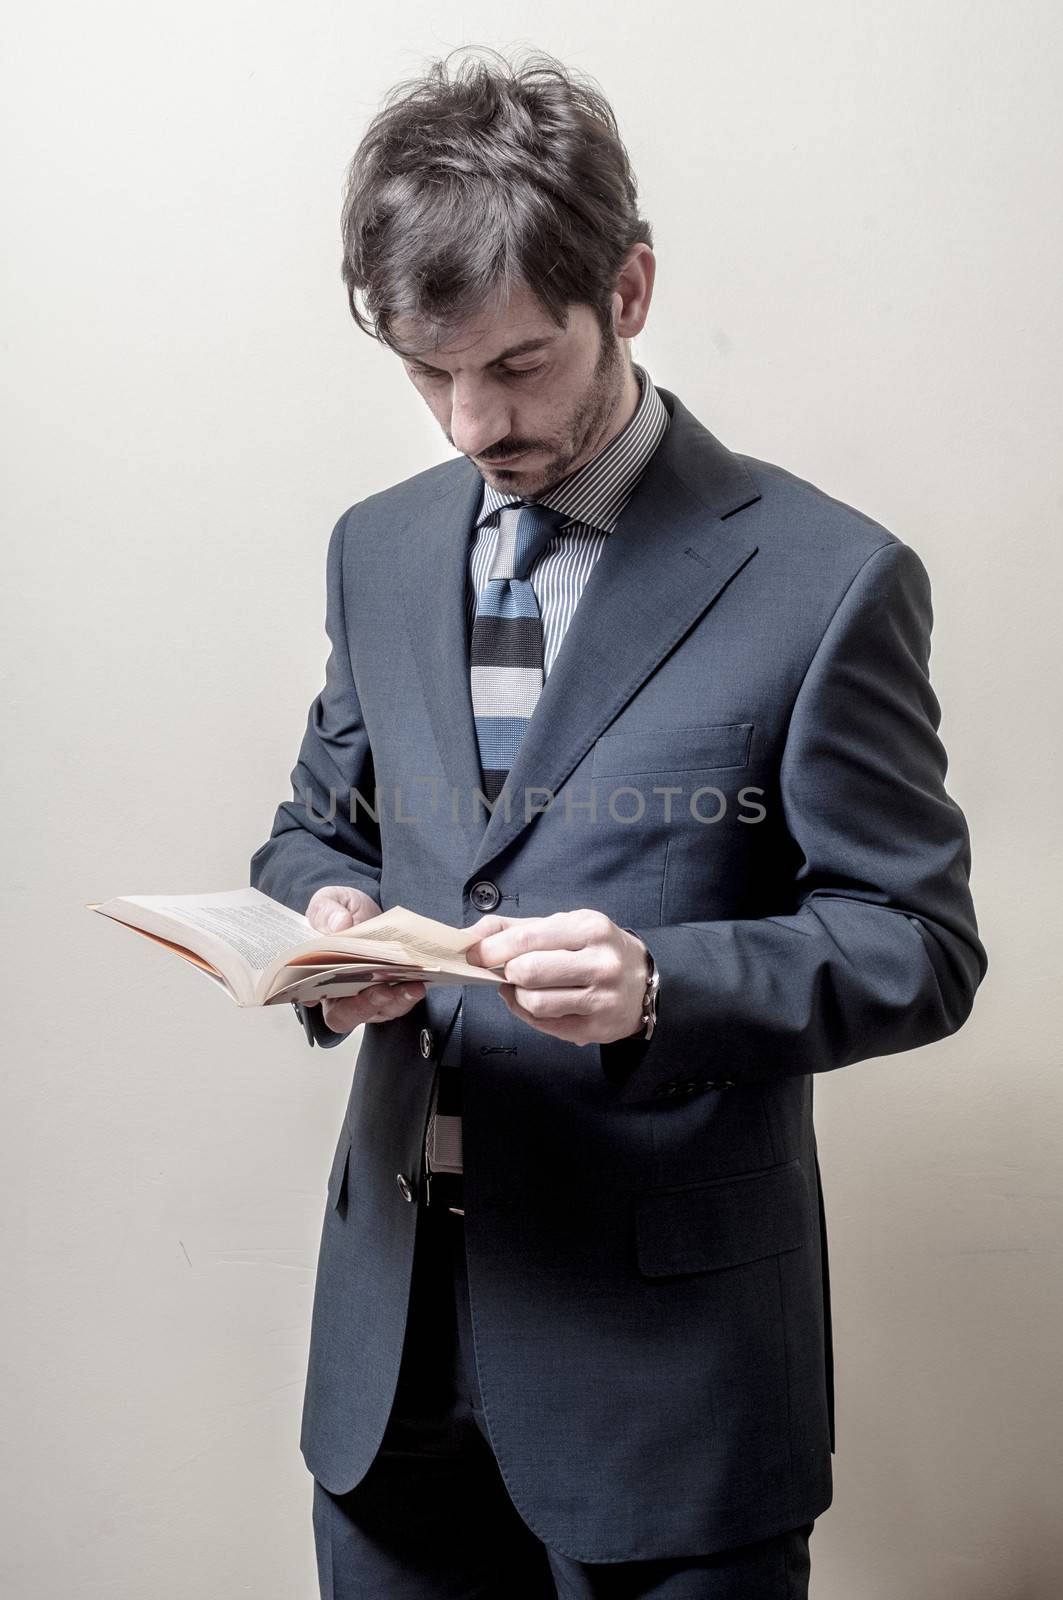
(484, 895)
(404, 1185)
(426, 1042)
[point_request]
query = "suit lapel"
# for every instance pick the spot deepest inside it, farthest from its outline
(668, 558)
(435, 551)
(664, 564)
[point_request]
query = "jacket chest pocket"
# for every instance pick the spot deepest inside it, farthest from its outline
(631, 751)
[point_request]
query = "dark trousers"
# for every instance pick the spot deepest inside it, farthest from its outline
(432, 1517)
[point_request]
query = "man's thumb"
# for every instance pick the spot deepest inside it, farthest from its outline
(327, 912)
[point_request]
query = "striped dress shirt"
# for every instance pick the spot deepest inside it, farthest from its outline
(592, 500)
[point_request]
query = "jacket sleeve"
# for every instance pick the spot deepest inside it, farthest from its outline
(882, 953)
(315, 1027)
(324, 834)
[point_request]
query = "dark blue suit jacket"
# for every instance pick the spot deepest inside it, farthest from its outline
(743, 694)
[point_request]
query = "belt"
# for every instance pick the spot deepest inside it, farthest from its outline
(442, 1185)
(445, 1189)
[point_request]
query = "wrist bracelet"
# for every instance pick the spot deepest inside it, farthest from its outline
(648, 1018)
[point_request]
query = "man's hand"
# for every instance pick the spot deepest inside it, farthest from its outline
(330, 911)
(574, 975)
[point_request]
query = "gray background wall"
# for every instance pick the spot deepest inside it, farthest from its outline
(858, 236)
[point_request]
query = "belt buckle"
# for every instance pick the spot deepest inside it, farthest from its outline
(442, 1182)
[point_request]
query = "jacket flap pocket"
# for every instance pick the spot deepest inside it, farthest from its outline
(701, 1227)
(726, 744)
(337, 1180)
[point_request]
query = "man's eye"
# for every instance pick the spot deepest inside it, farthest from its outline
(429, 374)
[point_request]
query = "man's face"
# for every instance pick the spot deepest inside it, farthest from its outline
(510, 383)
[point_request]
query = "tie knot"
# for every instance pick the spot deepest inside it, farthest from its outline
(534, 527)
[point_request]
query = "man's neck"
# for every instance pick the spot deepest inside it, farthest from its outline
(629, 404)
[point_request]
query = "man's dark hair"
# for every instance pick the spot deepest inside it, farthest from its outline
(470, 186)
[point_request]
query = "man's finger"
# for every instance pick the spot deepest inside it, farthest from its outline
(558, 969)
(336, 907)
(564, 930)
(378, 1003)
(484, 928)
(570, 1027)
(554, 1004)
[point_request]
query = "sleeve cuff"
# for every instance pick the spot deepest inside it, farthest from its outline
(315, 1027)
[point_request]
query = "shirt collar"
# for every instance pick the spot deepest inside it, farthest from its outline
(597, 493)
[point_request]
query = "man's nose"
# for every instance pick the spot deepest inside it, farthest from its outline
(478, 422)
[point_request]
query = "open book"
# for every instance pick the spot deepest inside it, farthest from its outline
(262, 953)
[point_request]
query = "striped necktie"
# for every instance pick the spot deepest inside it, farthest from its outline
(506, 647)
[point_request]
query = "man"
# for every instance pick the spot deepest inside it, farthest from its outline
(654, 719)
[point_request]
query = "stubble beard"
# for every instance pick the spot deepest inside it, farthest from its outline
(591, 418)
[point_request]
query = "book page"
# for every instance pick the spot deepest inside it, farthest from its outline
(189, 955)
(251, 939)
(420, 936)
(257, 928)
(331, 983)
(339, 982)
